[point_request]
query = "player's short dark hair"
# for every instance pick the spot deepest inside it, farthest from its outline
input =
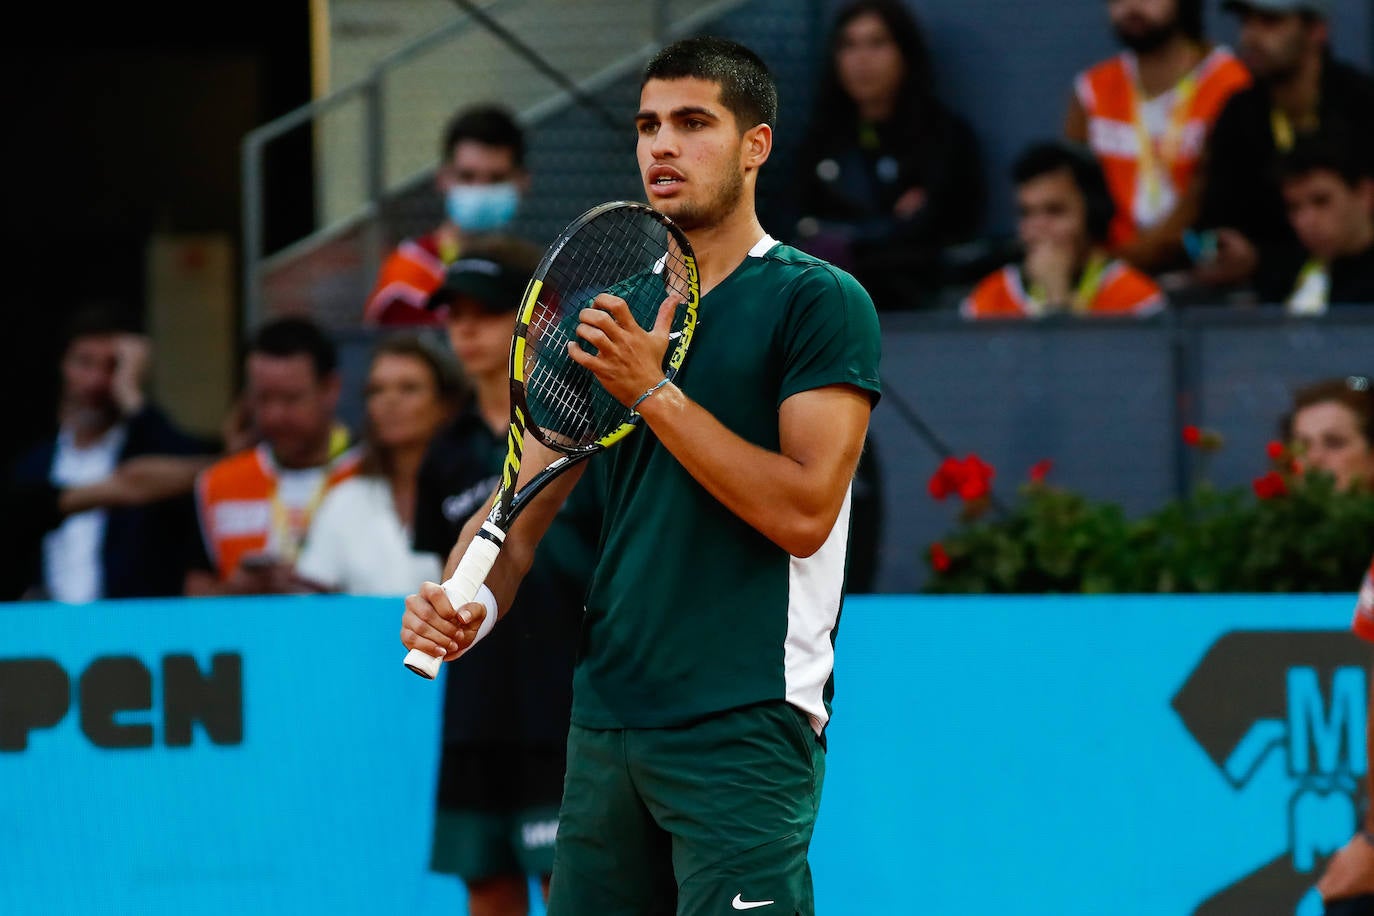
(489, 125)
(297, 337)
(747, 89)
(1322, 154)
(1354, 392)
(1058, 155)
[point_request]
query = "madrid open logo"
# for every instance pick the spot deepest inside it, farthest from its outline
(1281, 715)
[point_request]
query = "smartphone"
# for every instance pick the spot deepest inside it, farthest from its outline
(1201, 246)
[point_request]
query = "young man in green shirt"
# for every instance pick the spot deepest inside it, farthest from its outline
(702, 686)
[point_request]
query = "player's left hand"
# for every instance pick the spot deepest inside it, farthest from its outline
(1350, 872)
(628, 359)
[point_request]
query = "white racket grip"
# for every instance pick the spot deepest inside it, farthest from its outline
(461, 588)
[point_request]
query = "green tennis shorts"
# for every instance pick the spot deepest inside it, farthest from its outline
(712, 817)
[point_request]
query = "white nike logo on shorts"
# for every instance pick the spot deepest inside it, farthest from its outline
(740, 904)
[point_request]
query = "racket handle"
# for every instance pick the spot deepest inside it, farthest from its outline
(461, 588)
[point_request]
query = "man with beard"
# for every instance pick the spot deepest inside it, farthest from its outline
(1299, 92)
(80, 532)
(1145, 114)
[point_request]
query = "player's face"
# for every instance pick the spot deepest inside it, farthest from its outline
(292, 409)
(88, 370)
(1143, 25)
(403, 403)
(691, 152)
(1328, 438)
(1052, 212)
(480, 339)
(1273, 45)
(1330, 217)
(868, 62)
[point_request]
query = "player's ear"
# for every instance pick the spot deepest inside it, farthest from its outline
(757, 144)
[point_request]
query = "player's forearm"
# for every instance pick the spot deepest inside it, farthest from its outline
(791, 499)
(518, 548)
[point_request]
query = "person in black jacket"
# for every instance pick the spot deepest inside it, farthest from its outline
(1299, 92)
(1330, 201)
(113, 544)
(888, 175)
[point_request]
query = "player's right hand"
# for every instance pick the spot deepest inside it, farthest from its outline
(432, 625)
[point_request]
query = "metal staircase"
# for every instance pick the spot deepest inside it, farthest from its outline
(375, 138)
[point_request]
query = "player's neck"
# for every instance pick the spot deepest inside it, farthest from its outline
(1161, 69)
(493, 400)
(723, 247)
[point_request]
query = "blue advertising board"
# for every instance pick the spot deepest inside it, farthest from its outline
(1133, 755)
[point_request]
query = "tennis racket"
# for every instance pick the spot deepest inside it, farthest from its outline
(631, 251)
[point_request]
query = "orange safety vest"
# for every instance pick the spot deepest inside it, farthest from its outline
(407, 278)
(1136, 165)
(1120, 290)
(236, 500)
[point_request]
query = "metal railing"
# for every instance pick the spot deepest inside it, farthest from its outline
(668, 20)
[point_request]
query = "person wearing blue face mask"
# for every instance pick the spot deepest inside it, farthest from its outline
(481, 177)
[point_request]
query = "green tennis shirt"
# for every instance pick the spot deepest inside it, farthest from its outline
(691, 611)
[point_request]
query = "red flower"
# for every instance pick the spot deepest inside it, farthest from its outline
(1275, 450)
(969, 478)
(1192, 435)
(938, 557)
(1270, 486)
(946, 478)
(1040, 470)
(973, 488)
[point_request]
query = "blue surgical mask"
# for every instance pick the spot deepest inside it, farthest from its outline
(482, 207)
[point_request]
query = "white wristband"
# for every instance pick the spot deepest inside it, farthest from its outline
(485, 598)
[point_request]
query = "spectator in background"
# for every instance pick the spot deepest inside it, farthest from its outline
(360, 539)
(1331, 428)
(1145, 114)
(1299, 91)
(888, 175)
(481, 177)
(501, 770)
(1330, 201)
(255, 506)
(105, 546)
(1065, 211)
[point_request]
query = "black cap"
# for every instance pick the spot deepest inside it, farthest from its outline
(496, 286)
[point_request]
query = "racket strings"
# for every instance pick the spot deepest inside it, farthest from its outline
(628, 254)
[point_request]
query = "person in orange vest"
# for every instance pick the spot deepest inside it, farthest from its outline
(481, 178)
(254, 507)
(1146, 114)
(1065, 211)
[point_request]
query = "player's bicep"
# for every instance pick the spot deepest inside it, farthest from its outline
(823, 431)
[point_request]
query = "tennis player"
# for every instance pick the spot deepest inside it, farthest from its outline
(702, 687)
